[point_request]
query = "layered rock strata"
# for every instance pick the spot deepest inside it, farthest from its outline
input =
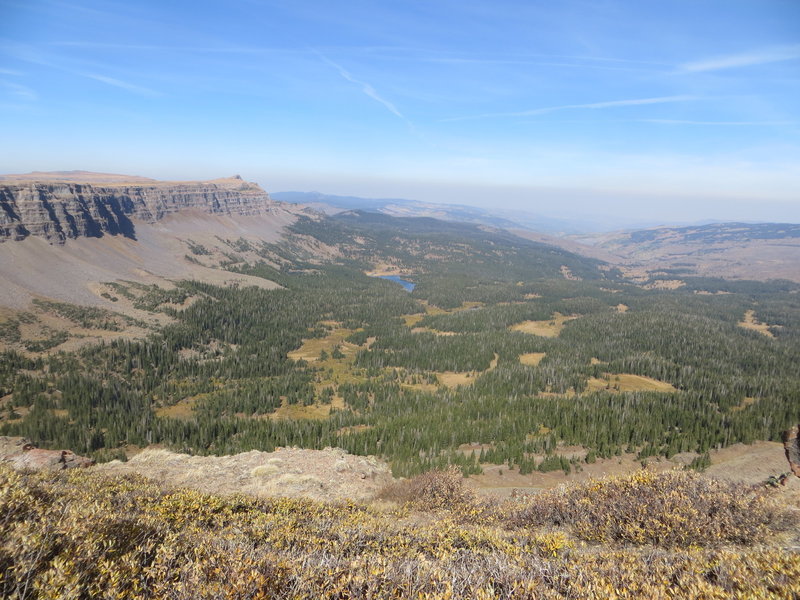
(57, 211)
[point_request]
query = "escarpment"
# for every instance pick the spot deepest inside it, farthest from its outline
(57, 210)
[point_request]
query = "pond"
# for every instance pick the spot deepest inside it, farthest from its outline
(407, 285)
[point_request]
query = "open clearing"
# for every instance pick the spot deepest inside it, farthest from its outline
(311, 350)
(300, 411)
(625, 382)
(430, 309)
(532, 358)
(183, 409)
(452, 379)
(550, 328)
(750, 464)
(749, 321)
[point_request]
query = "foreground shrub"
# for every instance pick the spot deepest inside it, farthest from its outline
(675, 508)
(81, 536)
(433, 490)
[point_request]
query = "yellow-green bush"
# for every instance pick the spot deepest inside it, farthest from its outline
(81, 535)
(675, 508)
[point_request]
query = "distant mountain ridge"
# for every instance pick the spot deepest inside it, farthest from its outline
(708, 234)
(399, 207)
(731, 250)
(56, 206)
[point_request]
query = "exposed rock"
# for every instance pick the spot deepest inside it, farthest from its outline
(21, 454)
(57, 210)
(330, 474)
(791, 444)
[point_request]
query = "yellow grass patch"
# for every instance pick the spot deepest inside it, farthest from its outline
(411, 320)
(549, 328)
(353, 429)
(311, 349)
(452, 379)
(183, 409)
(749, 321)
(430, 309)
(626, 382)
(532, 358)
(300, 412)
(746, 401)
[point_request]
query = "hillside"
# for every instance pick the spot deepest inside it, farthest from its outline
(399, 207)
(732, 250)
(759, 251)
(215, 333)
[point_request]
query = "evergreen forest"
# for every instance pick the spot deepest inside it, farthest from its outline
(505, 352)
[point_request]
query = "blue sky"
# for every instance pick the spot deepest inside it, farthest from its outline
(652, 110)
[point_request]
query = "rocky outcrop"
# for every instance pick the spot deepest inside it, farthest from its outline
(57, 211)
(21, 454)
(329, 474)
(791, 444)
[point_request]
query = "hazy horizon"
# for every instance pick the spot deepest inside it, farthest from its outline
(675, 111)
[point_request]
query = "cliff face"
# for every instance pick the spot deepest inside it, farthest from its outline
(60, 210)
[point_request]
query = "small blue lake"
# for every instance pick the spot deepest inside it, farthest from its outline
(407, 285)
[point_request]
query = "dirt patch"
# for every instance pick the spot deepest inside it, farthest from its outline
(532, 358)
(330, 474)
(549, 328)
(750, 322)
(625, 382)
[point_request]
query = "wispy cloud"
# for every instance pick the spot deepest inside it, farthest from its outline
(591, 105)
(30, 55)
(723, 123)
(745, 59)
(365, 87)
(18, 91)
(130, 87)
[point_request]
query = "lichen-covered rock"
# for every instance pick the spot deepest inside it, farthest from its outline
(60, 210)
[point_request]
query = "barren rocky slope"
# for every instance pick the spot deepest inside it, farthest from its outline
(67, 233)
(57, 210)
(330, 474)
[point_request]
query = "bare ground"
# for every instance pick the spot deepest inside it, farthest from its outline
(749, 464)
(330, 474)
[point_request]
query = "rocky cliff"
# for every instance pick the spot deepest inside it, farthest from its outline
(57, 210)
